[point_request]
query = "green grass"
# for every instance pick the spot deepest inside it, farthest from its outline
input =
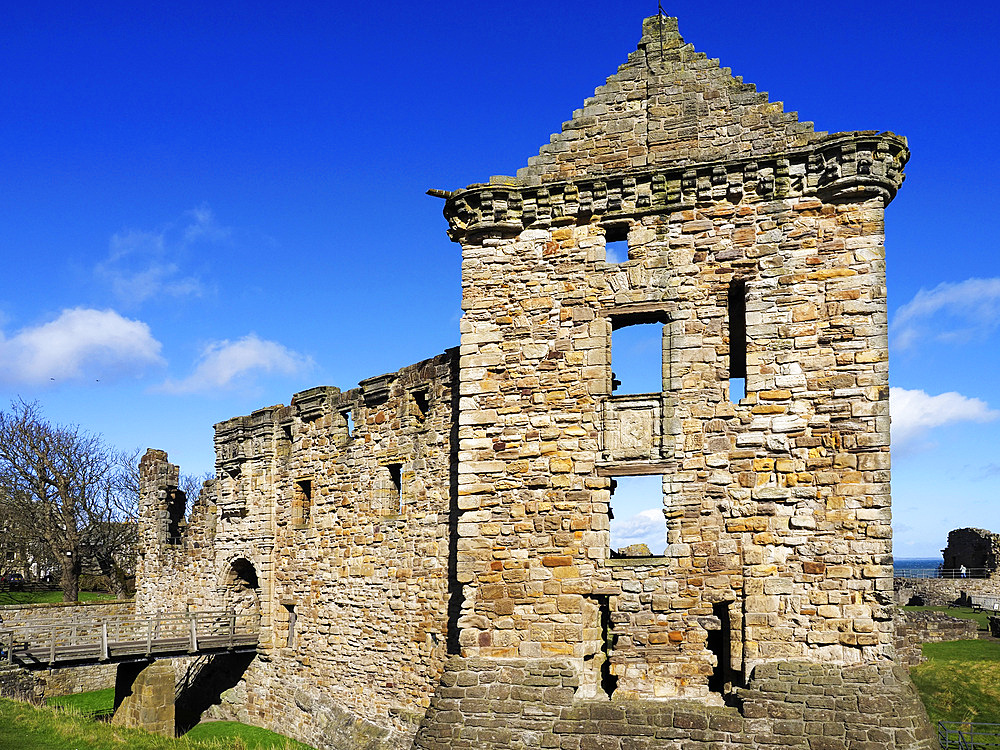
(252, 737)
(49, 597)
(26, 727)
(96, 701)
(963, 613)
(960, 681)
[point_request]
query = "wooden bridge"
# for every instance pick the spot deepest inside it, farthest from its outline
(129, 638)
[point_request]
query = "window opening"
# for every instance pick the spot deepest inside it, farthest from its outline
(348, 416)
(719, 642)
(596, 678)
(616, 244)
(637, 358)
(292, 618)
(420, 405)
(638, 527)
(737, 309)
(302, 503)
(176, 503)
(395, 503)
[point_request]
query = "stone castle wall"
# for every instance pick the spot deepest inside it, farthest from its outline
(777, 507)
(944, 592)
(467, 513)
(915, 628)
(978, 550)
(486, 704)
(340, 539)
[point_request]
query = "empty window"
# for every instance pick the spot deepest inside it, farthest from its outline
(616, 244)
(737, 315)
(637, 358)
(638, 527)
(395, 500)
(347, 426)
(292, 617)
(176, 503)
(719, 642)
(301, 503)
(420, 405)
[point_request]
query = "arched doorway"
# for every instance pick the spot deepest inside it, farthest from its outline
(241, 592)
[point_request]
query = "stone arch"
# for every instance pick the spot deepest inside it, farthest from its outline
(239, 586)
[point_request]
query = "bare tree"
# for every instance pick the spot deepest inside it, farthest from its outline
(192, 485)
(67, 488)
(112, 533)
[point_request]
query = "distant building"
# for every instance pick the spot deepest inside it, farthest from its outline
(977, 550)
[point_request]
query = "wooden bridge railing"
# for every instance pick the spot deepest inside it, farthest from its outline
(128, 636)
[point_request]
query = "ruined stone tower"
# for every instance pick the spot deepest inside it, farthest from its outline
(442, 573)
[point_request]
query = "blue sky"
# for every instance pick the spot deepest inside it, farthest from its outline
(208, 207)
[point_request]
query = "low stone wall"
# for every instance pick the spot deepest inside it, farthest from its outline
(943, 592)
(484, 704)
(20, 684)
(913, 629)
(77, 679)
(15, 616)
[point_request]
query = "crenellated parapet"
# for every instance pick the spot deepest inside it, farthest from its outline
(841, 168)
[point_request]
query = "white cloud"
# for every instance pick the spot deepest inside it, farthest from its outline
(614, 255)
(646, 527)
(950, 312)
(80, 344)
(225, 364)
(142, 265)
(914, 413)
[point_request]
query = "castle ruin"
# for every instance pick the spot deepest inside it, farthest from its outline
(430, 554)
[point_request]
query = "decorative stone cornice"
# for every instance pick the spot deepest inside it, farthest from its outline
(841, 168)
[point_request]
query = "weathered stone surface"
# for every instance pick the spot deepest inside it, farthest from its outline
(977, 551)
(915, 628)
(144, 697)
(442, 573)
(944, 592)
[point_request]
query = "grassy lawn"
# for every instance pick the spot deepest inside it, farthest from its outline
(26, 727)
(964, 613)
(97, 701)
(49, 597)
(960, 681)
(252, 737)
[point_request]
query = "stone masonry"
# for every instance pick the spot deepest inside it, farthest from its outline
(145, 697)
(430, 555)
(977, 550)
(917, 627)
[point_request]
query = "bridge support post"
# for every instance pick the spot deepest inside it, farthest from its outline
(144, 696)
